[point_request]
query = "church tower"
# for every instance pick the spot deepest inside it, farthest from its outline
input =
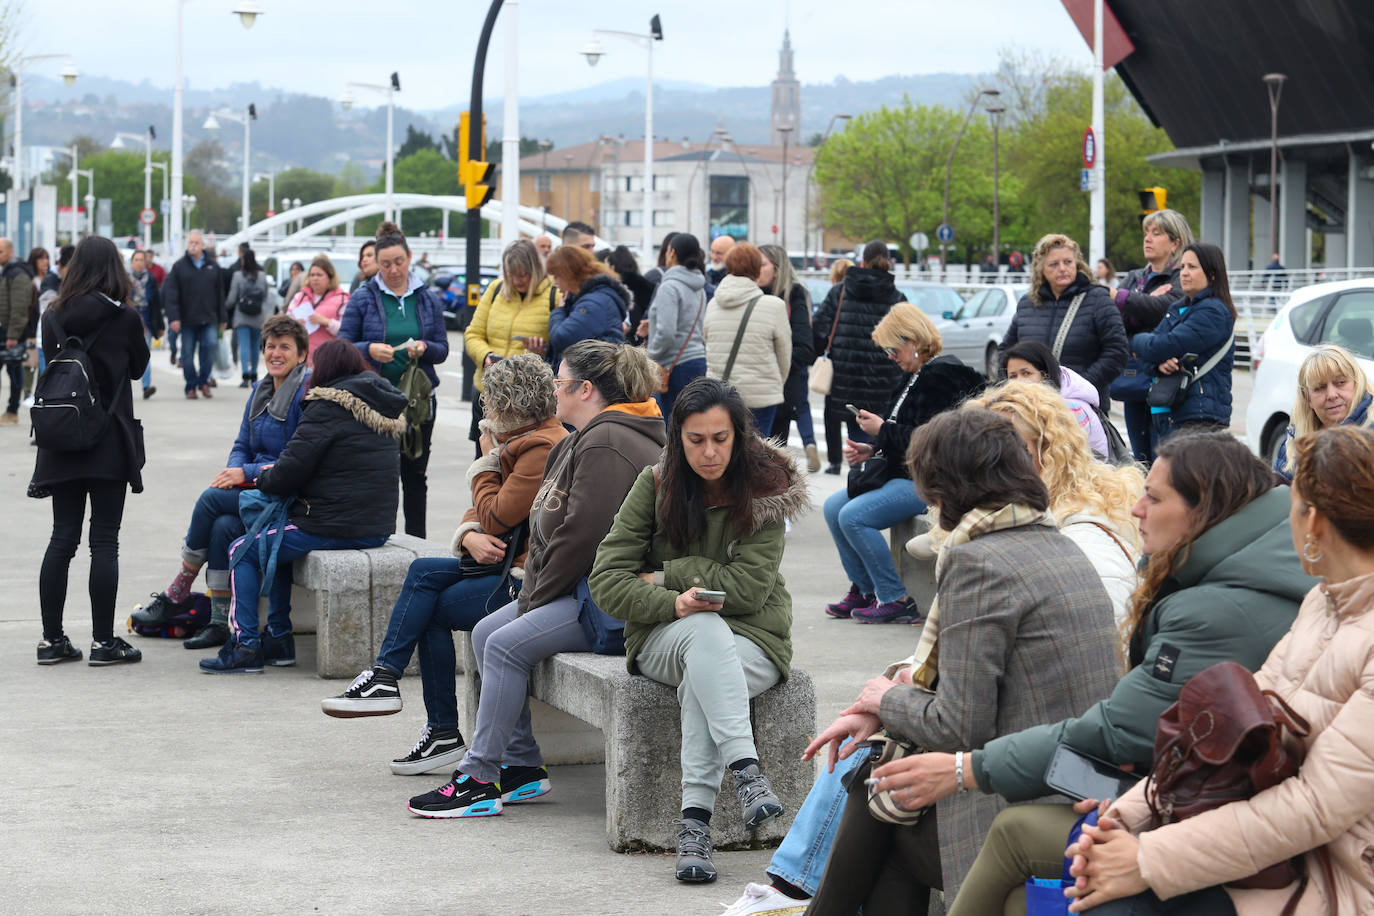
(786, 98)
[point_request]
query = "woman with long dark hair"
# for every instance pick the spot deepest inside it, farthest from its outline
(710, 515)
(674, 333)
(784, 284)
(252, 300)
(92, 306)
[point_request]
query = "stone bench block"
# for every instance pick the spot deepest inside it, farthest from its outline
(390, 564)
(917, 575)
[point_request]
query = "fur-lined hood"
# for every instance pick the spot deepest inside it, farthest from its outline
(788, 503)
(371, 399)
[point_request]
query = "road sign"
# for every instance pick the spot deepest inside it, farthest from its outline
(919, 241)
(1089, 148)
(271, 213)
(147, 216)
(1085, 180)
(945, 233)
(166, 206)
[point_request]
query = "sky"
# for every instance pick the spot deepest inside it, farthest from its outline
(317, 46)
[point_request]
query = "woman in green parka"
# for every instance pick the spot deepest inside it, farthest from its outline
(711, 517)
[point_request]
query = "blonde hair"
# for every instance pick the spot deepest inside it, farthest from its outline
(839, 269)
(1322, 366)
(1042, 251)
(621, 374)
(905, 321)
(1078, 483)
(521, 258)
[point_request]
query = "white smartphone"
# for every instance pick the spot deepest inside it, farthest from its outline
(852, 409)
(709, 595)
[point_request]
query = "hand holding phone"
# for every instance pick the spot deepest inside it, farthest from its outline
(852, 409)
(710, 596)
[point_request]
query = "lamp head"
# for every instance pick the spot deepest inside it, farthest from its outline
(1274, 79)
(346, 100)
(656, 28)
(252, 112)
(118, 142)
(152, 132)
(593, 51)
(395, 81)
(248, 12)
(69, 74)
(992, 92)
(211, 123)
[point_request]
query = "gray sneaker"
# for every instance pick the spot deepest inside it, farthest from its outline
(757, 803)
(694, 852)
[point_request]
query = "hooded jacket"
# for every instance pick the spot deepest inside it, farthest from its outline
(1358, 417)
(500, 319)
(1096, 345)
(765, 350)
(195, 295)
(864, 376)
(743, 564)
(1201, 325)
(587, 477)
(942, 384)
(1082, 399)
(343, 465)
(1231, 600)
(679, 305)
(269, 421)
(363, 321)
(16, 298)
(597, 311)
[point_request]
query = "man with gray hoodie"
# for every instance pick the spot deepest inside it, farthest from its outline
(675, 339)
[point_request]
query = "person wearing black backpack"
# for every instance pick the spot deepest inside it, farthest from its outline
(89, 324)
(251, 299)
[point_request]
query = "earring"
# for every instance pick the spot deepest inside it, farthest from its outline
(1311, 550)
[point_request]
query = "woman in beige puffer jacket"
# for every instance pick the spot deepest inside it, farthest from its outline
(1324, 669)
(765, 350)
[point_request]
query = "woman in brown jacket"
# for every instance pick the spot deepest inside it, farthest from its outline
(1323, 669)
(443, 594)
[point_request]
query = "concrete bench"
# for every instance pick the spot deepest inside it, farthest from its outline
(640, 723)
(917, 575)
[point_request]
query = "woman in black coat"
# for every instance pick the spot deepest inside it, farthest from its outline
(92, 305)
(779, 279)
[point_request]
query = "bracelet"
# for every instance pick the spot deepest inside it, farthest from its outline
(959, 771)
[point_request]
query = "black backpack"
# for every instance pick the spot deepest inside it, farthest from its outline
(251, 298)
(67, 413)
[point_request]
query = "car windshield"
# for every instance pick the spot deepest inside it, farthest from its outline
(933, 300)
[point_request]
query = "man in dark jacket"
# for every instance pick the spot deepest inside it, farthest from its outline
(16, 298)
(193, 298)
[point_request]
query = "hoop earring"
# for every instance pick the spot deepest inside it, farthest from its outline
(1311, 550)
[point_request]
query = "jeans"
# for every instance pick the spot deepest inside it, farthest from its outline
(248, 337)
(247, 579)
(436, 600)
(148, 370)
(508, 645)
(716, 672)
(801, 857)
(763, 418)
(1138, 431)
(685, 371)
(197, 338)
(1212, 901)
(68, 512)
(172, 344)
(215, 525)
(857, 524)
(414, 486)
(795, 406)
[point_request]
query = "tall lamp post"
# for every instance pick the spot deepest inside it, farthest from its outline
(995, 115)
(594, 52)
(246, 119)
(166, 217)
(271, 178)
(147, 141)
(810, 171)
(949, 165)
(390, 89)
(89, 175)
(248, 12)
(69, 75)
(1273, 82)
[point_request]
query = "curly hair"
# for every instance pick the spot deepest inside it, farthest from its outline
(518, 392)
(1042, 251)
(1076, 480)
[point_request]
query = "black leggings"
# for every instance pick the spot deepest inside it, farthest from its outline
(414, 486)
(68, 512)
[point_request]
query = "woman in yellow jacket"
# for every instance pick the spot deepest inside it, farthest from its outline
(513, 317)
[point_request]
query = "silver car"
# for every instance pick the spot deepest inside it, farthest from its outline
(974, 331)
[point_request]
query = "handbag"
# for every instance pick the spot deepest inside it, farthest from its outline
(886, 748)
(665, 374)
(1133, 384)
(1172, 390)
(823, 370)
(605, 634)
(739, 338)
(868, 476)
(472, 569)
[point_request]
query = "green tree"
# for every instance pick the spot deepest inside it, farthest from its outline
(207, 176)
(415, 141)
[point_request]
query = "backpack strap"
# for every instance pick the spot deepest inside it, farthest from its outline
(739, 337)
(1064, 326)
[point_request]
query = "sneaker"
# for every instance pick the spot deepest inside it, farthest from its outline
(161, 609)
(279, 653)
(10, 418)
(813, 458)
(149, 392)
(846, 606)
(694, 852)
(903, 611)
(524, 783)
(210, 636)
(234, 658)
(55, 651)
(372, 693)
(438, 748)
(833, 469)
(757, 803)
(764, 900)
(113, 651)
(461, 796)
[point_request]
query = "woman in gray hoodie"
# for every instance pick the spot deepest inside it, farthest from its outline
(675, 339)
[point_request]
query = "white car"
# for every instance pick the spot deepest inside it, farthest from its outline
(976, 329)
(1327, 313)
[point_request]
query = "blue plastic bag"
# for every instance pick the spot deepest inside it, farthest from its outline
(1045, 896)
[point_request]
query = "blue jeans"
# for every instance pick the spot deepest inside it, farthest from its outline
(197, 338)
(1138, 430)
(247, 579)
(249, 337)
(148, 370)
(795, 406)
(215, 524)
(685, 371)
(800, 858)
(763, 419)
(1212, 901)
(857, 526)
(435, 601)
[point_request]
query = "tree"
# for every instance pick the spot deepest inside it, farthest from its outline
(307, 184)
(425, 172)
(207, 177)
(415, 141)
(528, 147)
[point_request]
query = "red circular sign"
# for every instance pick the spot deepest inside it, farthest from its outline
(147, 216)
(1089, 148)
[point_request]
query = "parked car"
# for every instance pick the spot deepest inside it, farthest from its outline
(1327, 313)
(932, 298)
(974, 331)
(448, 282)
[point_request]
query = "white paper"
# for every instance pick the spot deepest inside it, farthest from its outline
(303, 312)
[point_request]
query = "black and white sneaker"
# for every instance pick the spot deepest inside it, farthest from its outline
(438, 748)
(115, 651)
(55, 651)
(520, 784)
(372, 693)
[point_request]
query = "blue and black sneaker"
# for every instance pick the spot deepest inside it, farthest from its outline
(524, 783)
(234, 658)
(279, 652)
(461, 796)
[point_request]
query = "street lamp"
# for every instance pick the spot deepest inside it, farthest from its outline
(147, 140)
(69, 75)
(166, 199)
(248, 12)
(390, 89)
(949, 164)
(188, 204)
(1273, 82)
(809, 173)
(594, 52)
(786, 131)
(995, 115)
(246, 119)
(89, 175)
(271, 178)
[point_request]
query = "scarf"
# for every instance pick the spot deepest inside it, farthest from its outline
(277, 401)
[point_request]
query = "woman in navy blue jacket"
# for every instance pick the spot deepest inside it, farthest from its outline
(269, 421)
(1203, 325)
(394, 319)
(595, 304)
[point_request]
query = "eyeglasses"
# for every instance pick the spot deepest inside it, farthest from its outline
(893, 351)
(564, 381)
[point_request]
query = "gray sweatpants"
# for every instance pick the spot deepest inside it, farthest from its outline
(716, 673)
(508, 647)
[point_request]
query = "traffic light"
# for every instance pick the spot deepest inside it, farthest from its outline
(473, 174)
(1152, 200)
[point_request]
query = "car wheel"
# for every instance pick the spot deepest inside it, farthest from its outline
(1273, 438)
(990, 362)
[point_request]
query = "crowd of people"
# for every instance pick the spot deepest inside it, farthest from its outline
(631, 473)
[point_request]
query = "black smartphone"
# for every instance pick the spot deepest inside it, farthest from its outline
(1187, 361)
(1079, 776)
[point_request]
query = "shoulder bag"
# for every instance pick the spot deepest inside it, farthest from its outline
(873, 473)
(739, 338)
(1172, 390)
(665, 374)
(823, 370)
(1064, 325)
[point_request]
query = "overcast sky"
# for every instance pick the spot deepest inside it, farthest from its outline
(316, 46)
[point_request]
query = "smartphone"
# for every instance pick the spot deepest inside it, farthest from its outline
(852, 409)
(1079, 776)
(1187, 361)
(709, 595)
